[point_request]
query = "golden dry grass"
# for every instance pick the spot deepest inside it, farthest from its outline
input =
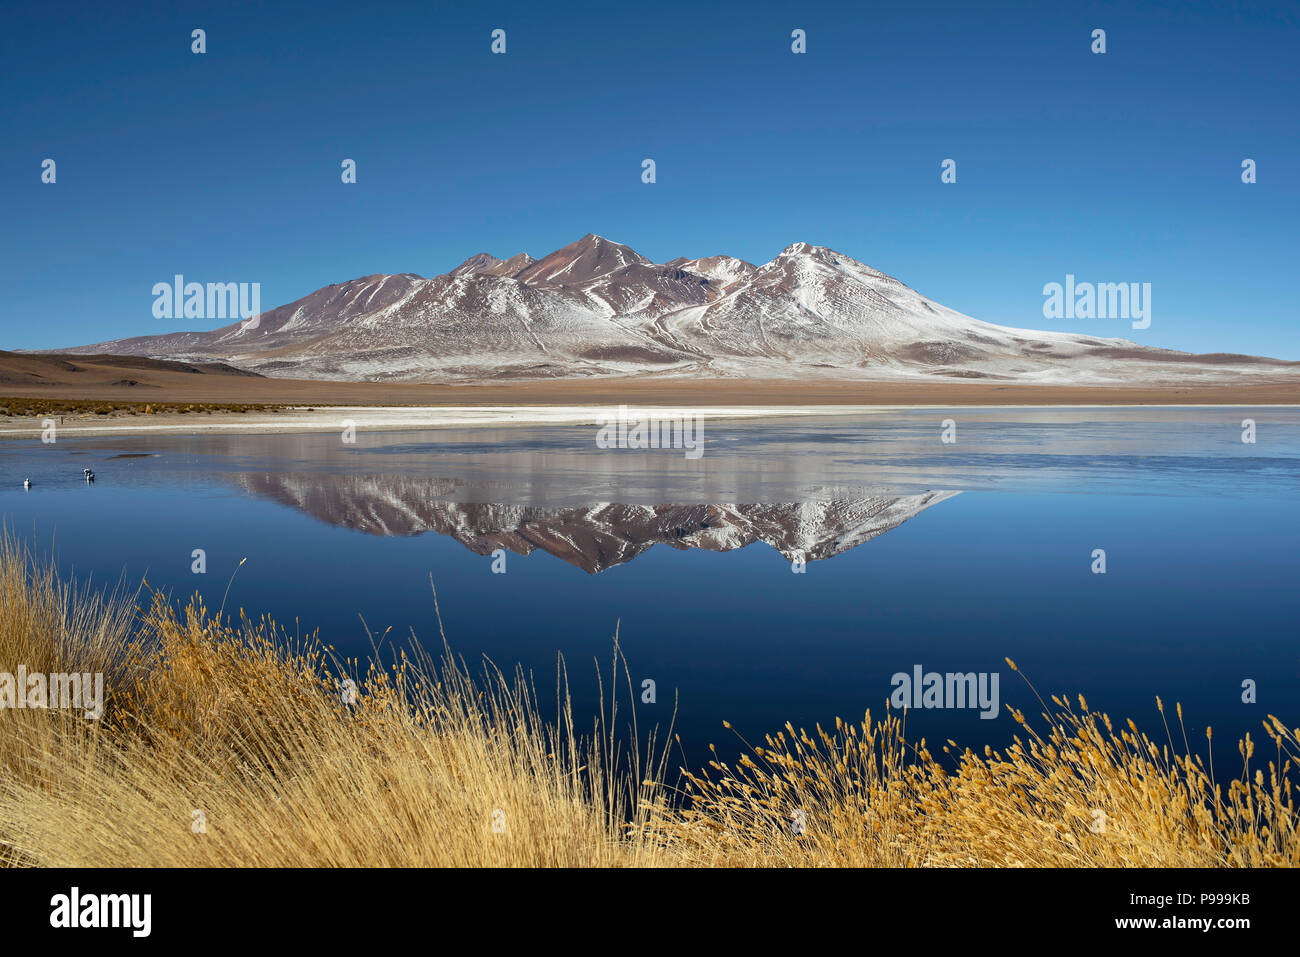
(1080, 794)
(252, 729)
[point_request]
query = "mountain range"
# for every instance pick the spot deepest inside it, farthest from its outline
(599, 308)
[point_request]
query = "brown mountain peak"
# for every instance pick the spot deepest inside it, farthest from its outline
(587, 258)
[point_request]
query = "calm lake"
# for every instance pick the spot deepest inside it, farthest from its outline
(915, 553)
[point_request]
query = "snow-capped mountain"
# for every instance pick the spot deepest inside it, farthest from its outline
(597, 307)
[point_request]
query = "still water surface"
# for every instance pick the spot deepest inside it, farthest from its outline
(947, 556)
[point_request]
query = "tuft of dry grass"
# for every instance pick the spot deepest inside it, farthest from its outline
(232, 746)
(1078, 794)
(228, 744)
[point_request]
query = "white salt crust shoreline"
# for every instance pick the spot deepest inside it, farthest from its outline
(393, 419)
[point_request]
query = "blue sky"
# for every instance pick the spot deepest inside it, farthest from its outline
(1122, 167)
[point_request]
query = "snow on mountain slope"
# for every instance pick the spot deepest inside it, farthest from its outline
(588, 258)
(722, 272)
(484, 264)
(477, 323)
(476, 264)
(597, 307)
(813, 305)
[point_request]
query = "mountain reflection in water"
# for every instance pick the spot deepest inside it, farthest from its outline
(593, 537)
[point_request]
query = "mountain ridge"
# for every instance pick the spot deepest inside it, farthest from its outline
(596, 307)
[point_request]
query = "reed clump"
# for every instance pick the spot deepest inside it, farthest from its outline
(226, 743)
(1079, 793)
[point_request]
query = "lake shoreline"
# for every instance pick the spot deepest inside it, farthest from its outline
(406, 418)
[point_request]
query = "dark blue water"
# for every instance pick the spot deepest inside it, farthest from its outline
(1199, 531)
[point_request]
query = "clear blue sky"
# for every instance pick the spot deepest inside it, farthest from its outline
(225, 166)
